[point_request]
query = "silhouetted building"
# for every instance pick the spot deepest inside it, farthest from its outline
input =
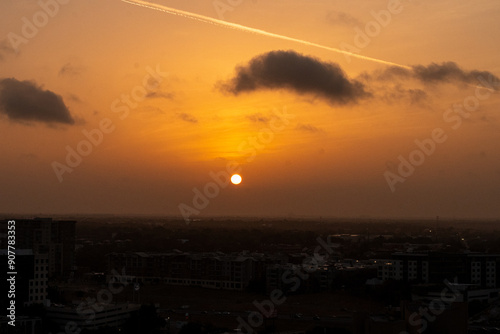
(31, 280)
(93, 317)
(24, 266)
(479, 269)
(382, 324)
(46, 236)
(437, 316)
(209, 270)
(24, 325)
(286, 277)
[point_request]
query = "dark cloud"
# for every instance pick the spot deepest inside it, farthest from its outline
(448, 71)
(293, 71)
(187, 117)
(25, 101)
(341, 18)
(437, 73)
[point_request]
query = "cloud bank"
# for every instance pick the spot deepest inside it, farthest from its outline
(292, 71)
(25, 101)
(289, 70)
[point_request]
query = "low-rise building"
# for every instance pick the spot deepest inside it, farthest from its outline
(480, 269)
(210, 270)
(94, 317)
(25, 325)
(286, 277)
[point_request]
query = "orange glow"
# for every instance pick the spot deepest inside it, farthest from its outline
(173, 126)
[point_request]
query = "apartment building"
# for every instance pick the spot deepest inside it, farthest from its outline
(46, 236)
(286, 277)
(210, 270)
(31, 284)
(479, 269)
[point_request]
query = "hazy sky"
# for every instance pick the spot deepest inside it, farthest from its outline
(152, 104)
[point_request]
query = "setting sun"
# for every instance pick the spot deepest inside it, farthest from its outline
(307, 101)
(236, 179)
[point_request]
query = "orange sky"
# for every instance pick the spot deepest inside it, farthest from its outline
(328, 159)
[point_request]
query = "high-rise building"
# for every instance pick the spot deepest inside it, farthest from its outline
(43, 248)
(31, 280)
(55, 238)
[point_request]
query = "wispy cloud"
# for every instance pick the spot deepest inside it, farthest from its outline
(446, 72)
(341, 18)
(411, 96)
(74, 98)
(5, 49)
(308, 128)
(160, 95)
(258, 118)
(187, 117)
(70, 69)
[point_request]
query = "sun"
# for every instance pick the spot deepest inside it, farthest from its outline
(236, 179)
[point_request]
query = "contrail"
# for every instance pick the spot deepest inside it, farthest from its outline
(207, 19)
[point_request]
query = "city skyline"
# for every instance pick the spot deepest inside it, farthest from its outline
(327, 109)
